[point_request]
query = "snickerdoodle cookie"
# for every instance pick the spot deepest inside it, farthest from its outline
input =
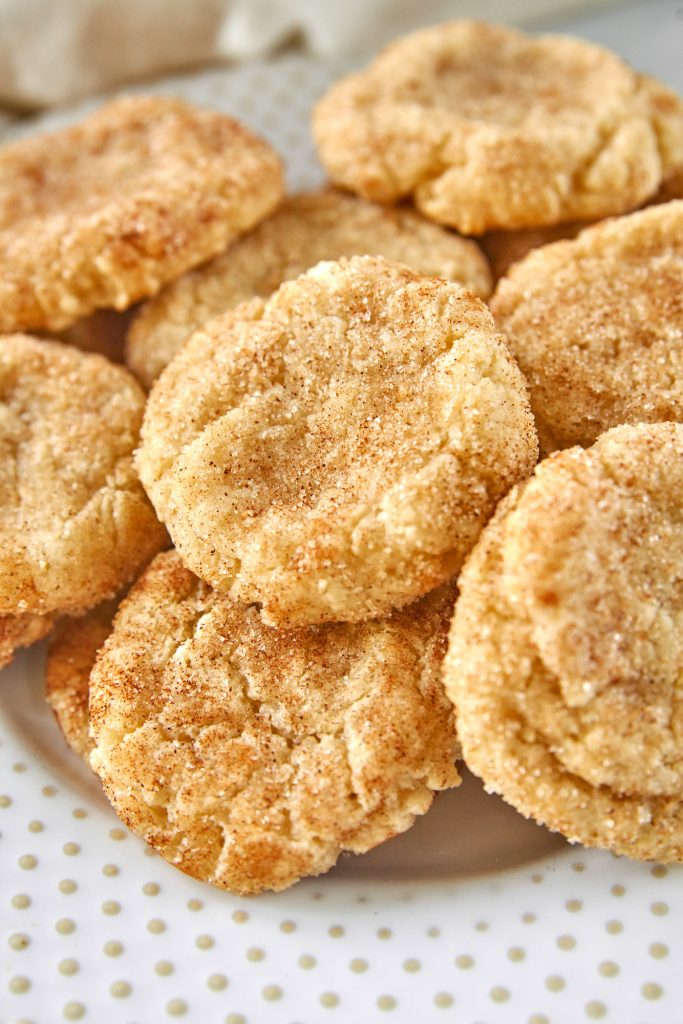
(333, 452)
(667, 113)
(566, 648)
(70, 660)
(489, 128)
(596, 325)
(250, 757)
(106, 212)
(75, 523)
(21, 631)
(503, 248)
(307, 228)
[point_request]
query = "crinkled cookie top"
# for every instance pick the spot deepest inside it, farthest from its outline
(488, 128)
(105, 212)
(334, 451)
(250, 757)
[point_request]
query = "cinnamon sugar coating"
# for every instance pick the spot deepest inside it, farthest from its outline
(503, 248)
(307, 228)
(596, 325)
(334, 451)
(106, 212)
(250, 757)
(70, 660)
(75, 523)
(566, 647)
(21, 631)
(667, 114)
(488, 128)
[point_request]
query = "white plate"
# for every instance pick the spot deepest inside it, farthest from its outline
(475, 915)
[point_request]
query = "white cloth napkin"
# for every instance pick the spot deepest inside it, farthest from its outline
(54, 50)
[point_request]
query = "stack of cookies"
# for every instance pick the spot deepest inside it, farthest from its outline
(339, 444)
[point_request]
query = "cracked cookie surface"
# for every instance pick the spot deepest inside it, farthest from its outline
(105, 212)
(596, 325)
(503, 248)
(334, 451)
(488, 128)
(306, 229)
(75, 523)
(250, 757)
(566, 648)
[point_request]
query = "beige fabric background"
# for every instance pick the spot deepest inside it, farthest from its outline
(55, 50)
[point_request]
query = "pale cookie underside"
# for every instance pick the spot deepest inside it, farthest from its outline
(75, 522)
(596, 755)
(306, 229)
(105, 212)
(348, 440)
(70, 660)
(251, 757)
(488, 128)
(596, 325)
(21, 631)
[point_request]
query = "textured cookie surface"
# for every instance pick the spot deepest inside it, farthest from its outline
(70, 661)
(21, 631)
(75, 523)
(566, 647)
(307, 228)
(333, 452)
(251, 757)
(667, 112)
(106, 212)
(596, 325)
(503, 248)
(488, 128)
